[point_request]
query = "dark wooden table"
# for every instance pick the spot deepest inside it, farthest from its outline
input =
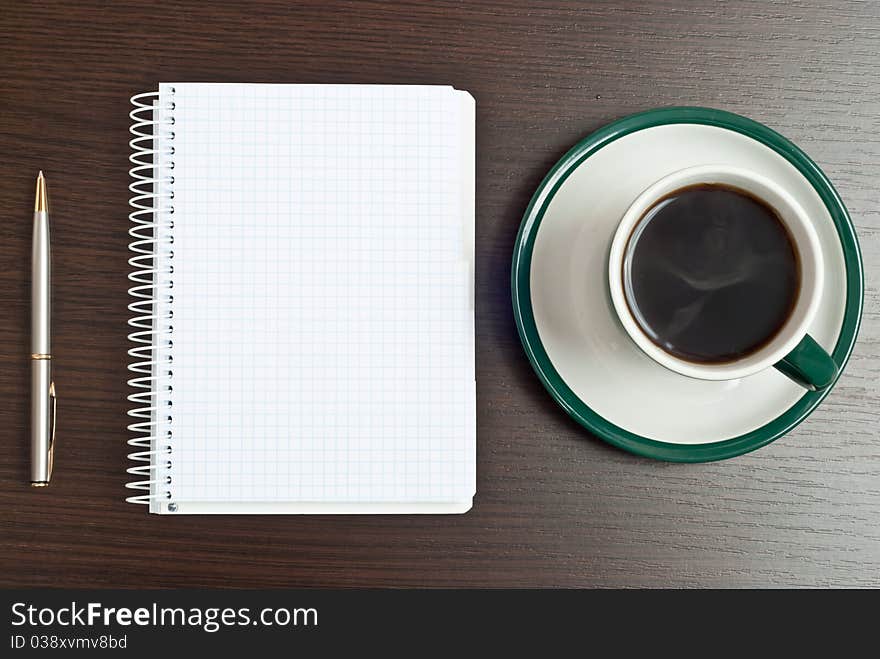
(554, 506)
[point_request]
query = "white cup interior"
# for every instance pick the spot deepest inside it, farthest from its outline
(806, 243)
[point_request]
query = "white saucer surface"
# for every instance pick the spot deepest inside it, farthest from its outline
(576, 322)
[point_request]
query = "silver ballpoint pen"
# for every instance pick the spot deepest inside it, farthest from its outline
(43, 401)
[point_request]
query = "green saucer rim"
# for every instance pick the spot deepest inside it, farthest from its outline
(524, 316)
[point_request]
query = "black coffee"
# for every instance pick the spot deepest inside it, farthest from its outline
(710, 273)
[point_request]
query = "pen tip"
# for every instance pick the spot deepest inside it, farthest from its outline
(41, 203)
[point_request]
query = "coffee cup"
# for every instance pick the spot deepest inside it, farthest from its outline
(707, 261)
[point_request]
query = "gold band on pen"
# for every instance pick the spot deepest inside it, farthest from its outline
(40, 355)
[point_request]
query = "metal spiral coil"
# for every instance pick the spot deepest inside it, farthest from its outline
(152, 222)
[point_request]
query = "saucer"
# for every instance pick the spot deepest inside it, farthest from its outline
(568, 326)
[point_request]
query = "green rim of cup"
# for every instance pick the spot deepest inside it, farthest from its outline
(524, 315)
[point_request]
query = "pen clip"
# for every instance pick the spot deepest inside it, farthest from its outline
(51, 457)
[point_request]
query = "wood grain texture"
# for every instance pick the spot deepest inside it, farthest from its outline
(554, 507)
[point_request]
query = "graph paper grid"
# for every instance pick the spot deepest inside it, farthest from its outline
(323, 346)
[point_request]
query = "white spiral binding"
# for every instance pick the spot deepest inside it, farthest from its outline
(151, 218)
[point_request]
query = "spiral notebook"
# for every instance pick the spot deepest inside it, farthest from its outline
(303, 299)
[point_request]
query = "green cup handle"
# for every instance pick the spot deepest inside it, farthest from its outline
(809, 365)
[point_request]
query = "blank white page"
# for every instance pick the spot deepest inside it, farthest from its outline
(323, 347)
